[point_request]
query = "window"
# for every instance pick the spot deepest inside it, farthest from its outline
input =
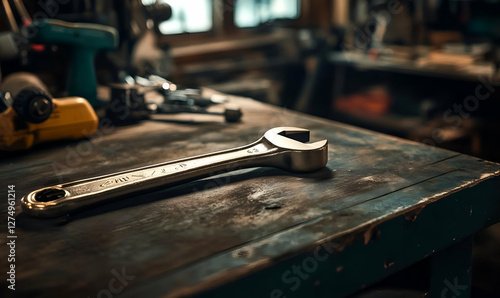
(188, 17)
(251, 13)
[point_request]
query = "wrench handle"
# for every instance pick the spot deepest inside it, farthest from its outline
(68, 197)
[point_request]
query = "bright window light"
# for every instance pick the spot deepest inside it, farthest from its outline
(188, 17)
(251, 13)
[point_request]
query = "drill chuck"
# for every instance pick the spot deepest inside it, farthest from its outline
(33, 105)
(32, 102)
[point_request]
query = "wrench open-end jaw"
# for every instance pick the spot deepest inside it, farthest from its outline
(281, 147)
(296, 155)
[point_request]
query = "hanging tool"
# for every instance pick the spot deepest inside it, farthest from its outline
(84, 40)
(12, 43)
(282, 147)
(21, 9)
(10, 16)
(29, 115)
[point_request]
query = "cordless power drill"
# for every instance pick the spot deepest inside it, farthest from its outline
(84, 41)
(29, 115)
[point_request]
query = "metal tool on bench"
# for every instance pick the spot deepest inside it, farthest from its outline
(126, 105)
(191, 101)
(282, 147)
(128, 102)
(29, 115)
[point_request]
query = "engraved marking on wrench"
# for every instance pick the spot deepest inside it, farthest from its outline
(117, 180)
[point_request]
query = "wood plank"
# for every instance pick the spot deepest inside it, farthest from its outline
(333, 228)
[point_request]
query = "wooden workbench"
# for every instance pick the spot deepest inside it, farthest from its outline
(380, 205)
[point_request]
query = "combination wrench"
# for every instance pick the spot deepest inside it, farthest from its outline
(286, 148)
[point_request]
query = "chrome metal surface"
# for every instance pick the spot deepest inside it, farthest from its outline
(281, 147)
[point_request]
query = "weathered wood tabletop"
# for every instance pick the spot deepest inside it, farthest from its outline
(380, 205)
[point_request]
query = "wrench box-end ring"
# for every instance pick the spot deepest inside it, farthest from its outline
(44, 201)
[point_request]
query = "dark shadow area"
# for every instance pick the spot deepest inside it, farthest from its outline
(188, 122)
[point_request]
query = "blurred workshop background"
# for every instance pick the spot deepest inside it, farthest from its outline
(426, 70)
